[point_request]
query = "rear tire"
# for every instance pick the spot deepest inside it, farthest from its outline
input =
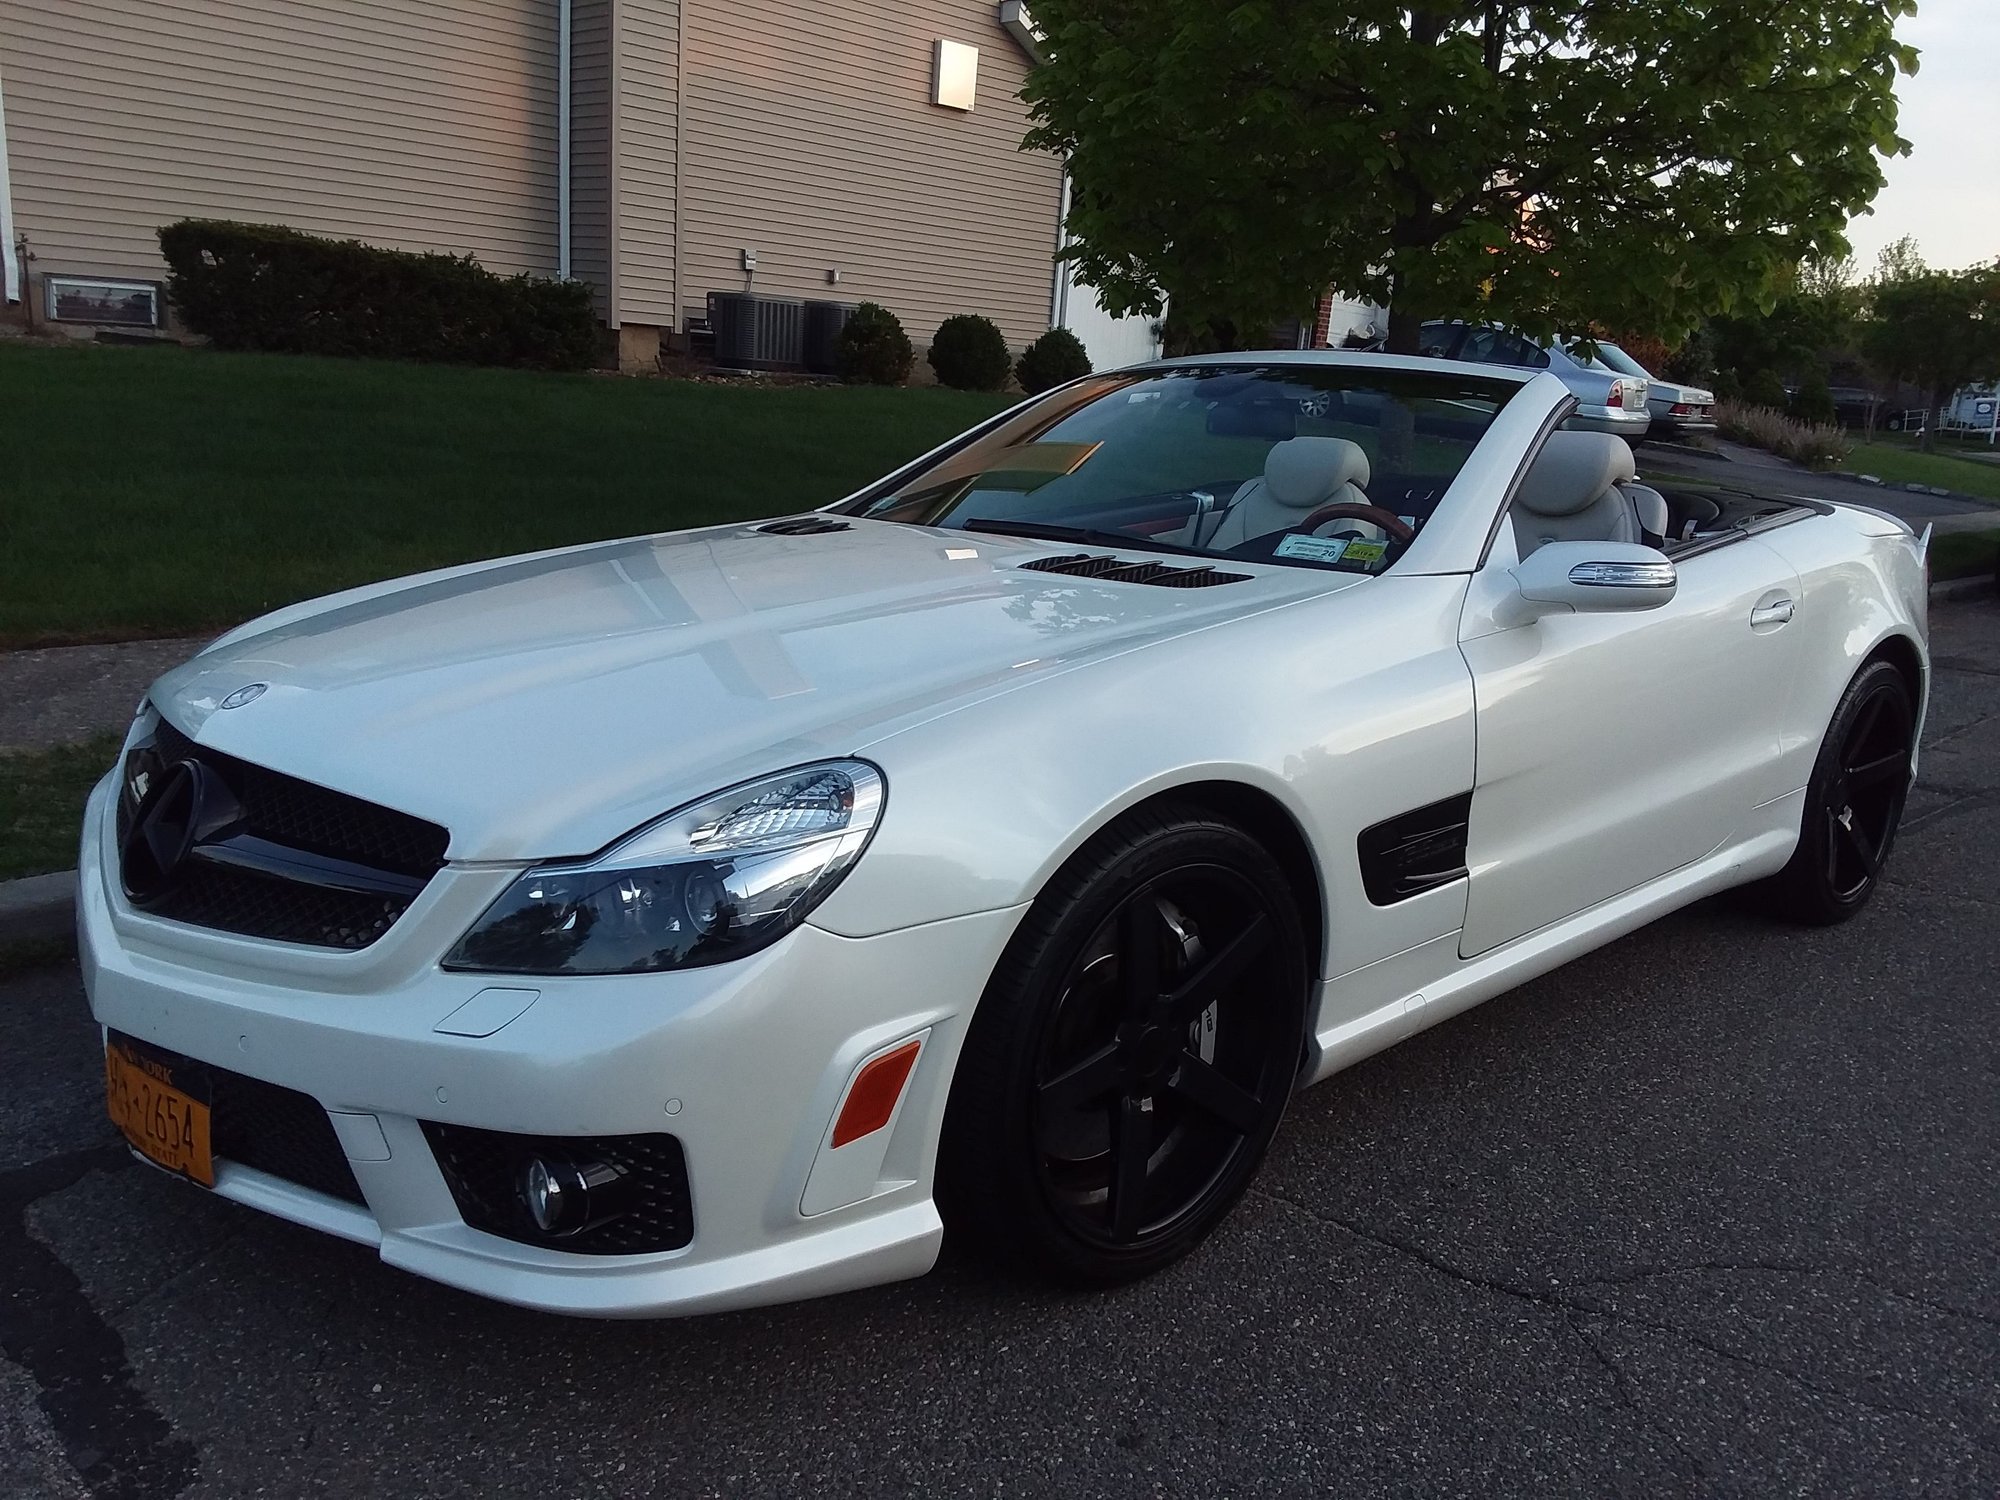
(1854, 803)
(1132, 1055)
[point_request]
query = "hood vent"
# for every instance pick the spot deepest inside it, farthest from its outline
(1123, 570)
(803, 526)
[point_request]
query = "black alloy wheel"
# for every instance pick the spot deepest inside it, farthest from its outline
(1130, 1062)
(1854, 801)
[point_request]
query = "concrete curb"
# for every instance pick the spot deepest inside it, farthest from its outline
(1976, 587)
(38, 908)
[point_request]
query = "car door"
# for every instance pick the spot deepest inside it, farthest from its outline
(1614, 748)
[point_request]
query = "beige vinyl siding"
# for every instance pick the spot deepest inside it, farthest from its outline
(590, 147)
(812, 140)
(647, 173)
(417, 124)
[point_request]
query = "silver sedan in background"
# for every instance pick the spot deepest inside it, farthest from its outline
(1607, 401)
(1676, 409)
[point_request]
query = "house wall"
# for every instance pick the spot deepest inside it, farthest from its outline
(811, 139)
(646, 175)
(590, 142)
(416, 124)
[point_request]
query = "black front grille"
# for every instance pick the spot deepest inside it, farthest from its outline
(483, 1170)
(281, 813)
(263, 1125)
(268, 906)
(1123, 570)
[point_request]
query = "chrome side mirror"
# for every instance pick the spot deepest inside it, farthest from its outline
(1589, 578)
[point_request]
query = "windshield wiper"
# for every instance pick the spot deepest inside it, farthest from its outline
(1044, 531)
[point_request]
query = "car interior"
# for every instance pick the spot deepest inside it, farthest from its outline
(1583, 486)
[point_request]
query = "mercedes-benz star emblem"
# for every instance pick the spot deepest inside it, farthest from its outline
(186, 803)
(250, 692)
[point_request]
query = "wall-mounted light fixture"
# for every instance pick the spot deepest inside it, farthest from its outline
(956, 76)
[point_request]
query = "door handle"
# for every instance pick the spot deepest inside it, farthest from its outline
(1778, 612)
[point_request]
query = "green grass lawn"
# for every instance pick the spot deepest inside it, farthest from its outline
(1900, 463)
(169, 491)
(1966, 554)
(41, 803)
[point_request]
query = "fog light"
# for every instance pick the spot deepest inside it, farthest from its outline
(564, 1198)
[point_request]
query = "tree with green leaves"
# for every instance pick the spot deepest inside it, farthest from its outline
(1549, 165)
(1938, 330)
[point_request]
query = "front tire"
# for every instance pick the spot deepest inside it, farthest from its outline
(1132, 1056)
(1854, 802)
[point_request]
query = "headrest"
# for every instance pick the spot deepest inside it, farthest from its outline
(1302, 472)
(1573, 471)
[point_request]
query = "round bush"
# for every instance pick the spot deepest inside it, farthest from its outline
(872, 348)
(1814, 402)
(1053, 358)
(969, 353)
(1764, 388)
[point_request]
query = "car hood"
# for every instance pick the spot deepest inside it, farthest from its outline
(544, 706)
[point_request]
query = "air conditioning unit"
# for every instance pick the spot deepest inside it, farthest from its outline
(754, 332)
(824, 320)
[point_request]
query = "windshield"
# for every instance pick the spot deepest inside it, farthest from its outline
(1614, 358)
(1311, 466)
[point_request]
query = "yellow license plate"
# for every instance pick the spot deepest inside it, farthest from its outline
(167, 1125)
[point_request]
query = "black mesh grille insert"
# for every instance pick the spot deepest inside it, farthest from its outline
(1123, 570)
(483, 1168)
(264, 1125)
(295, 815)
(266, 906)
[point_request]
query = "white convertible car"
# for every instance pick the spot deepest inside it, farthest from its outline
(725, 916)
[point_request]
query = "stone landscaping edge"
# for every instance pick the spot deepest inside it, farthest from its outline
(37, 908)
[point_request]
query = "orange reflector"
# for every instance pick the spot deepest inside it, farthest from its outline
(872, 1098)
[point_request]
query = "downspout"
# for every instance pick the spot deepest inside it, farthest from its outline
(562, 139)
(10, 263)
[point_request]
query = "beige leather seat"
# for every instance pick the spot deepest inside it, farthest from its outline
(1300, 475)
(1572, 493)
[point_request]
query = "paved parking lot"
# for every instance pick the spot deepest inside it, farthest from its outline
(1712, 1211)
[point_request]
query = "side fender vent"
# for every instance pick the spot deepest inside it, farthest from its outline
(1123, 570)
(803, 526)
(1415, 852)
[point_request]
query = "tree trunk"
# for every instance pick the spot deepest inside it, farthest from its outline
(1928, 442)
(1405, 328)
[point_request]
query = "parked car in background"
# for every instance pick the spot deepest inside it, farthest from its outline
(1676, 409)
(1606, 401)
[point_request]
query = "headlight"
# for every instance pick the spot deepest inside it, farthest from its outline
(711, 882)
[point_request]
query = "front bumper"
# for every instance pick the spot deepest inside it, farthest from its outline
(745, 1063)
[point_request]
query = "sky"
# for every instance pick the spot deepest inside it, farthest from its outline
(1946, 192)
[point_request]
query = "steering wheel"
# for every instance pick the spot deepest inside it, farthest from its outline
(1374, 515)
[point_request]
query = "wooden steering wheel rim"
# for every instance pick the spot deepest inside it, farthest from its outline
(1374, 515)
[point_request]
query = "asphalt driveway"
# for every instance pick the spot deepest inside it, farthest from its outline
(1709, 1212)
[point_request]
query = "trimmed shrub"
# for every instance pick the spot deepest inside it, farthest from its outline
(1764, 388)
(265, 287)
(872, 348)
(1053, 358)
(970, 353)
(1817, 446)
(1813, 404)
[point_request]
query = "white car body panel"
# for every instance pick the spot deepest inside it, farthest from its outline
(1619, 765)
(1615, 748)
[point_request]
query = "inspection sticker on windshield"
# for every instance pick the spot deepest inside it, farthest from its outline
(1367, 555)
(1324, 549)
